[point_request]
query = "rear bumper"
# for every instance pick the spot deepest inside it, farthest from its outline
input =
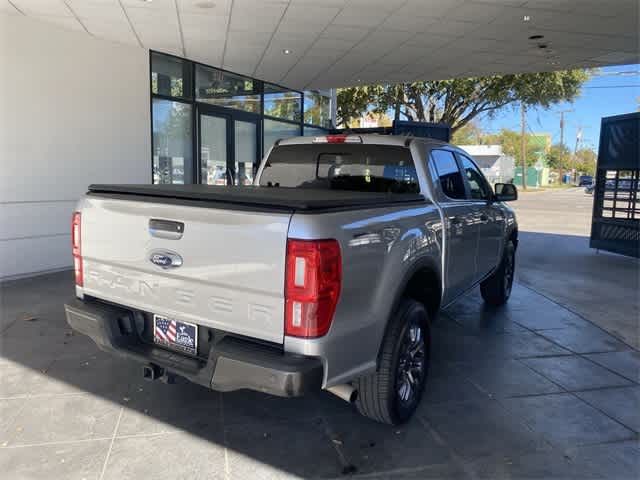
(232, 363)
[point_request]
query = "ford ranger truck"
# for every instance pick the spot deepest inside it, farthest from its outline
(326, 273)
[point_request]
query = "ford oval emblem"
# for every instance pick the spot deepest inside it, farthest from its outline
(165, 259)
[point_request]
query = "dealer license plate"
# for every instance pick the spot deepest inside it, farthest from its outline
(181, 336)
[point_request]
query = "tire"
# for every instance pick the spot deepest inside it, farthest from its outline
(496, 289)
(402, 369)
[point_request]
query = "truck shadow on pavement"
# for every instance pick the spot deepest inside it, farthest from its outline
(528, 390)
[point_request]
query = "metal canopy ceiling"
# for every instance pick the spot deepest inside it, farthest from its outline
(330, 43)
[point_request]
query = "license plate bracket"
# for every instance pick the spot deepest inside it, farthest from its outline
(175, 334)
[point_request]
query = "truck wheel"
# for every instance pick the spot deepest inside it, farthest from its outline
(392, 393)
(496, 289)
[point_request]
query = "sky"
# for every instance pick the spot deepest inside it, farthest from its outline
(614, 91)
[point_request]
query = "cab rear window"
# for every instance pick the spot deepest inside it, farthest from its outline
(354, 167)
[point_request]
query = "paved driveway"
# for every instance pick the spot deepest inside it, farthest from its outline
(528, 391)
(554, 258)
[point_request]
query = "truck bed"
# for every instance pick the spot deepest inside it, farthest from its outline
(269, 198)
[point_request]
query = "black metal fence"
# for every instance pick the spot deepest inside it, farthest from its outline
(615, 225)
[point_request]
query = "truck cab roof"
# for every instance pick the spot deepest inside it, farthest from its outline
(366, 139)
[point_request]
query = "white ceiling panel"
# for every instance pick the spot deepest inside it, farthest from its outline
(70, 23)
(336, 42)
(430, 8)
(242, 58)
(342, 32)
(207, 52)
(256, 16)
(118, 32)
(310, 13)
(474, 12)
(158, 17)
(452, 28)
(382, 5)
(54, 8)
(311, 29)
(333, 44)
(205, 7)
(8, 8)
(430, 40)
(326, 3)
(360, 17)
(410, 23)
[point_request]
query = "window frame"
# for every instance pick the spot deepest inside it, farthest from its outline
(459, 157)
(467, 193)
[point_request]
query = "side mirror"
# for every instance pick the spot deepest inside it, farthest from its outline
(506, 192)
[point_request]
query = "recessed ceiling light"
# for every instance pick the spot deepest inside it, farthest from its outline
(286, 51)
(526, 18)
(536, 37)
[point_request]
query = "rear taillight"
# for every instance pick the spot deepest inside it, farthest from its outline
(312, 286)
(76, 247)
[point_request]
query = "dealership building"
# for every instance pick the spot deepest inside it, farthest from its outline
(197, 91)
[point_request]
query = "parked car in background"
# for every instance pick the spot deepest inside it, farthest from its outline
(326, 274)
(585, 180)
(590, 188)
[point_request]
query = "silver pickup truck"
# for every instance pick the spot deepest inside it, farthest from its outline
(325, 274)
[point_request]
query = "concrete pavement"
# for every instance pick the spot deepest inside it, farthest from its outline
(554, 259)
(530, 390)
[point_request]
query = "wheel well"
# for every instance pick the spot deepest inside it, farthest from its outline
(513, 236)
(424, 287)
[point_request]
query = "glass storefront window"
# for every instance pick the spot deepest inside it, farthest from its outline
(282, 103)
(172, 142)
(315, 132)
(274, 130)
(226, 89)
(170, 76)
(246, 146)
(317, 109)
(180, 119)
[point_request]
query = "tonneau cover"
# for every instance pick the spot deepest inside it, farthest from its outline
(265, 197)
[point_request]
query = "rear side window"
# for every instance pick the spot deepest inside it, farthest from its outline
(451, 180)
(478, 187)
(355, 167)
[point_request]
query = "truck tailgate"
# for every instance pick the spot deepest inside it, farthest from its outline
(232, 272)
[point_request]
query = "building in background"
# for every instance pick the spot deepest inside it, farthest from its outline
(494, 163)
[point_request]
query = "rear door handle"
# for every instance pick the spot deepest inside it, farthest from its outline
(167, 229)
(456, 221)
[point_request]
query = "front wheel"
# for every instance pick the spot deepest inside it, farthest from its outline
(496, 289)
(393, 392)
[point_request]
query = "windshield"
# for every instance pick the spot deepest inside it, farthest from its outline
(355, 167)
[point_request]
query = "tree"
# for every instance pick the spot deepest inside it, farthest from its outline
(458, 101)
(558, 157)
(283, 105)
(354, 102)
(585, 161)
(469, 134)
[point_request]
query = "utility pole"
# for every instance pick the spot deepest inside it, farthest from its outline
(523, 146)
(561, 113)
